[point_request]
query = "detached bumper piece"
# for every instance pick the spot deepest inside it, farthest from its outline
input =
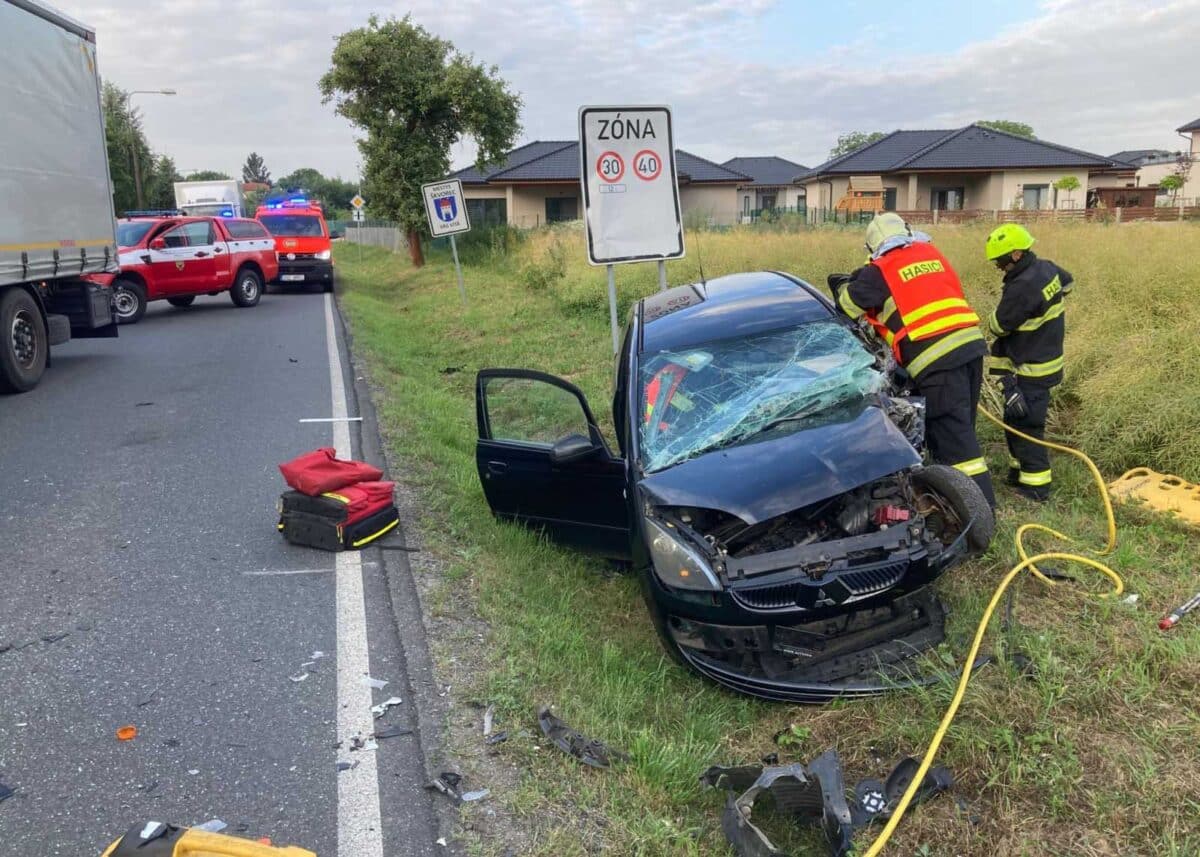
(864, 652)
(155, 839)
(815, 794)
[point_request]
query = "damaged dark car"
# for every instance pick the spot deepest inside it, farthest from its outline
(768, 487)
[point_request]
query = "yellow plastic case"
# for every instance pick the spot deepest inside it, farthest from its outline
(153, 839)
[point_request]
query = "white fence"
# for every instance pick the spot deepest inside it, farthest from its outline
(388, 236)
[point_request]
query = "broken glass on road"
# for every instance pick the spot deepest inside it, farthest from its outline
(724, 392)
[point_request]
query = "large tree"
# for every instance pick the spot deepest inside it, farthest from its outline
(255, 170)
(847, 143)
(414, 95)
(126, 141)
(1018, 128)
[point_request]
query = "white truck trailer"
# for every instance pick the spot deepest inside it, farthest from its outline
(56, 201)
(210, 199)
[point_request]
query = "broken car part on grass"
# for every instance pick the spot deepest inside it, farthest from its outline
(590, 751)
(814, 794)
(768, 487)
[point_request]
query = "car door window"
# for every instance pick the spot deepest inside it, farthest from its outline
(530, 411)
(197, 234)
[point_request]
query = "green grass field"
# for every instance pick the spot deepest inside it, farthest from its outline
(1096, 754)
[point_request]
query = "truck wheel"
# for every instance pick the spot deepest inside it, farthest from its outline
(182, 302)
(956, 500)
(129, 300)
(23, 344)
(247, 288)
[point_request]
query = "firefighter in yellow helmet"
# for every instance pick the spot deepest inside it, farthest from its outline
(1027, 355)
(913, 299)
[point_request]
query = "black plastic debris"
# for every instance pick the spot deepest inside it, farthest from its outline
(447, 783)
(587, 750)
(496, 738)
(6, 792)
(815, 794)
(391, 732)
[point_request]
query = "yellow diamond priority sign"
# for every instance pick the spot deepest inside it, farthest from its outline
(358, 202)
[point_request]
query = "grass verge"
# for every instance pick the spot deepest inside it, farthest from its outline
(1095, 754)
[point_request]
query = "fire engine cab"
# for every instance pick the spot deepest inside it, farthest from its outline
(302, 241)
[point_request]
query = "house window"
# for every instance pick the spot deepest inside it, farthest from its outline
(889, 199)
(560, 208)
(487, 212)
(946, 198)
(1033, 196)
(746, 205)
(766, 201)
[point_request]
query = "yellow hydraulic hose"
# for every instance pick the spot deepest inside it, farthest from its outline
(1027, 562)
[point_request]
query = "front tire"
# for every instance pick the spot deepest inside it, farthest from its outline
(247, 288)
(24, 346)
(129, 300)
(182, 302)
(964, 498)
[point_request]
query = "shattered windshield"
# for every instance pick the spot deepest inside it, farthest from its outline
(721, 393)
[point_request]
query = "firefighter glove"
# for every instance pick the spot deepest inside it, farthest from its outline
(1015, 407)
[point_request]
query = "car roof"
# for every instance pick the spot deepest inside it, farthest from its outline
(734, 305)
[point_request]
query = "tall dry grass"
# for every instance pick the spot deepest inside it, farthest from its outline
(1131, 395)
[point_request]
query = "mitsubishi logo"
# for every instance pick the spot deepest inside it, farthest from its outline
(823, 600)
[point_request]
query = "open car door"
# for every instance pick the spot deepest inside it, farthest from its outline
(543, 462)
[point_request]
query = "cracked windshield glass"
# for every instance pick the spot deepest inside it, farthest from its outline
(721, 393)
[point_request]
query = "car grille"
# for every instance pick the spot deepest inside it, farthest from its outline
(860, 584)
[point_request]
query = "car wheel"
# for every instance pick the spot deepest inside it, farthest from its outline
(129, 301)
(328, 288)
(247, 288)
(956, 493)
(23, 342)
(182, 302)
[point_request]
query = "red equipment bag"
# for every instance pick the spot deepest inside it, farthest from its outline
(316, 472)
(346, 519)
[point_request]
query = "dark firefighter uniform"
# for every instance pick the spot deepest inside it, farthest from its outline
(1029, 324)
(913, 299)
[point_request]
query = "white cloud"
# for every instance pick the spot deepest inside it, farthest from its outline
(1101, 76)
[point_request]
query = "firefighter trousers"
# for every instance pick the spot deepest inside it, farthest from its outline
(1032, 462)
(951, 399)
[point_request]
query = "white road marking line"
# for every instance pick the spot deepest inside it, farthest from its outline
(332, 420)
(280, 572)
(359, 826)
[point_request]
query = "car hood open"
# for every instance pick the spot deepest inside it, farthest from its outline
(759, 480)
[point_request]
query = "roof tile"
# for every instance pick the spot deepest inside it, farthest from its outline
(767, 171)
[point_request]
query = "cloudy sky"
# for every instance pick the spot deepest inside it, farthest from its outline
(745, 77)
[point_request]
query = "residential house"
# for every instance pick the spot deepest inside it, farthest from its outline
(1121, 190)
(771, 185)
(538, 183)
(972, 167)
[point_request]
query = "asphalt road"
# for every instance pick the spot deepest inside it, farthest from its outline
(144, 583)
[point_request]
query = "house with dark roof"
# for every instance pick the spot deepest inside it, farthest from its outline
(771, 187)
(972, 167)
(1191, 190)
(539, 183)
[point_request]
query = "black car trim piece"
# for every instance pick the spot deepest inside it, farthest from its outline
(892, 540)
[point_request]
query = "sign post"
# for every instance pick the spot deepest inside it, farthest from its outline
(359, 216)
(447, 212)
(630, 191)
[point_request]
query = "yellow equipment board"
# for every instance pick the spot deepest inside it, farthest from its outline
(1159, 491)
(155, 839)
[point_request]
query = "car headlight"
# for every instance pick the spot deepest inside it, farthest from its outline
(325, 255)
(676, 564)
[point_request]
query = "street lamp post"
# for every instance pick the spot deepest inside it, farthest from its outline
(137, 168)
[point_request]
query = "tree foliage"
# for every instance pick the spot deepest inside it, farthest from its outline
(414, 95)
(126, 140)
(847, 143)
(208, 176)
(1018, 128)
(334, 193)
(1069, 184)
(255, 170)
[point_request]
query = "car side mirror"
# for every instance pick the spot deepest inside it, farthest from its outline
(573, 447)
(158, 244)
